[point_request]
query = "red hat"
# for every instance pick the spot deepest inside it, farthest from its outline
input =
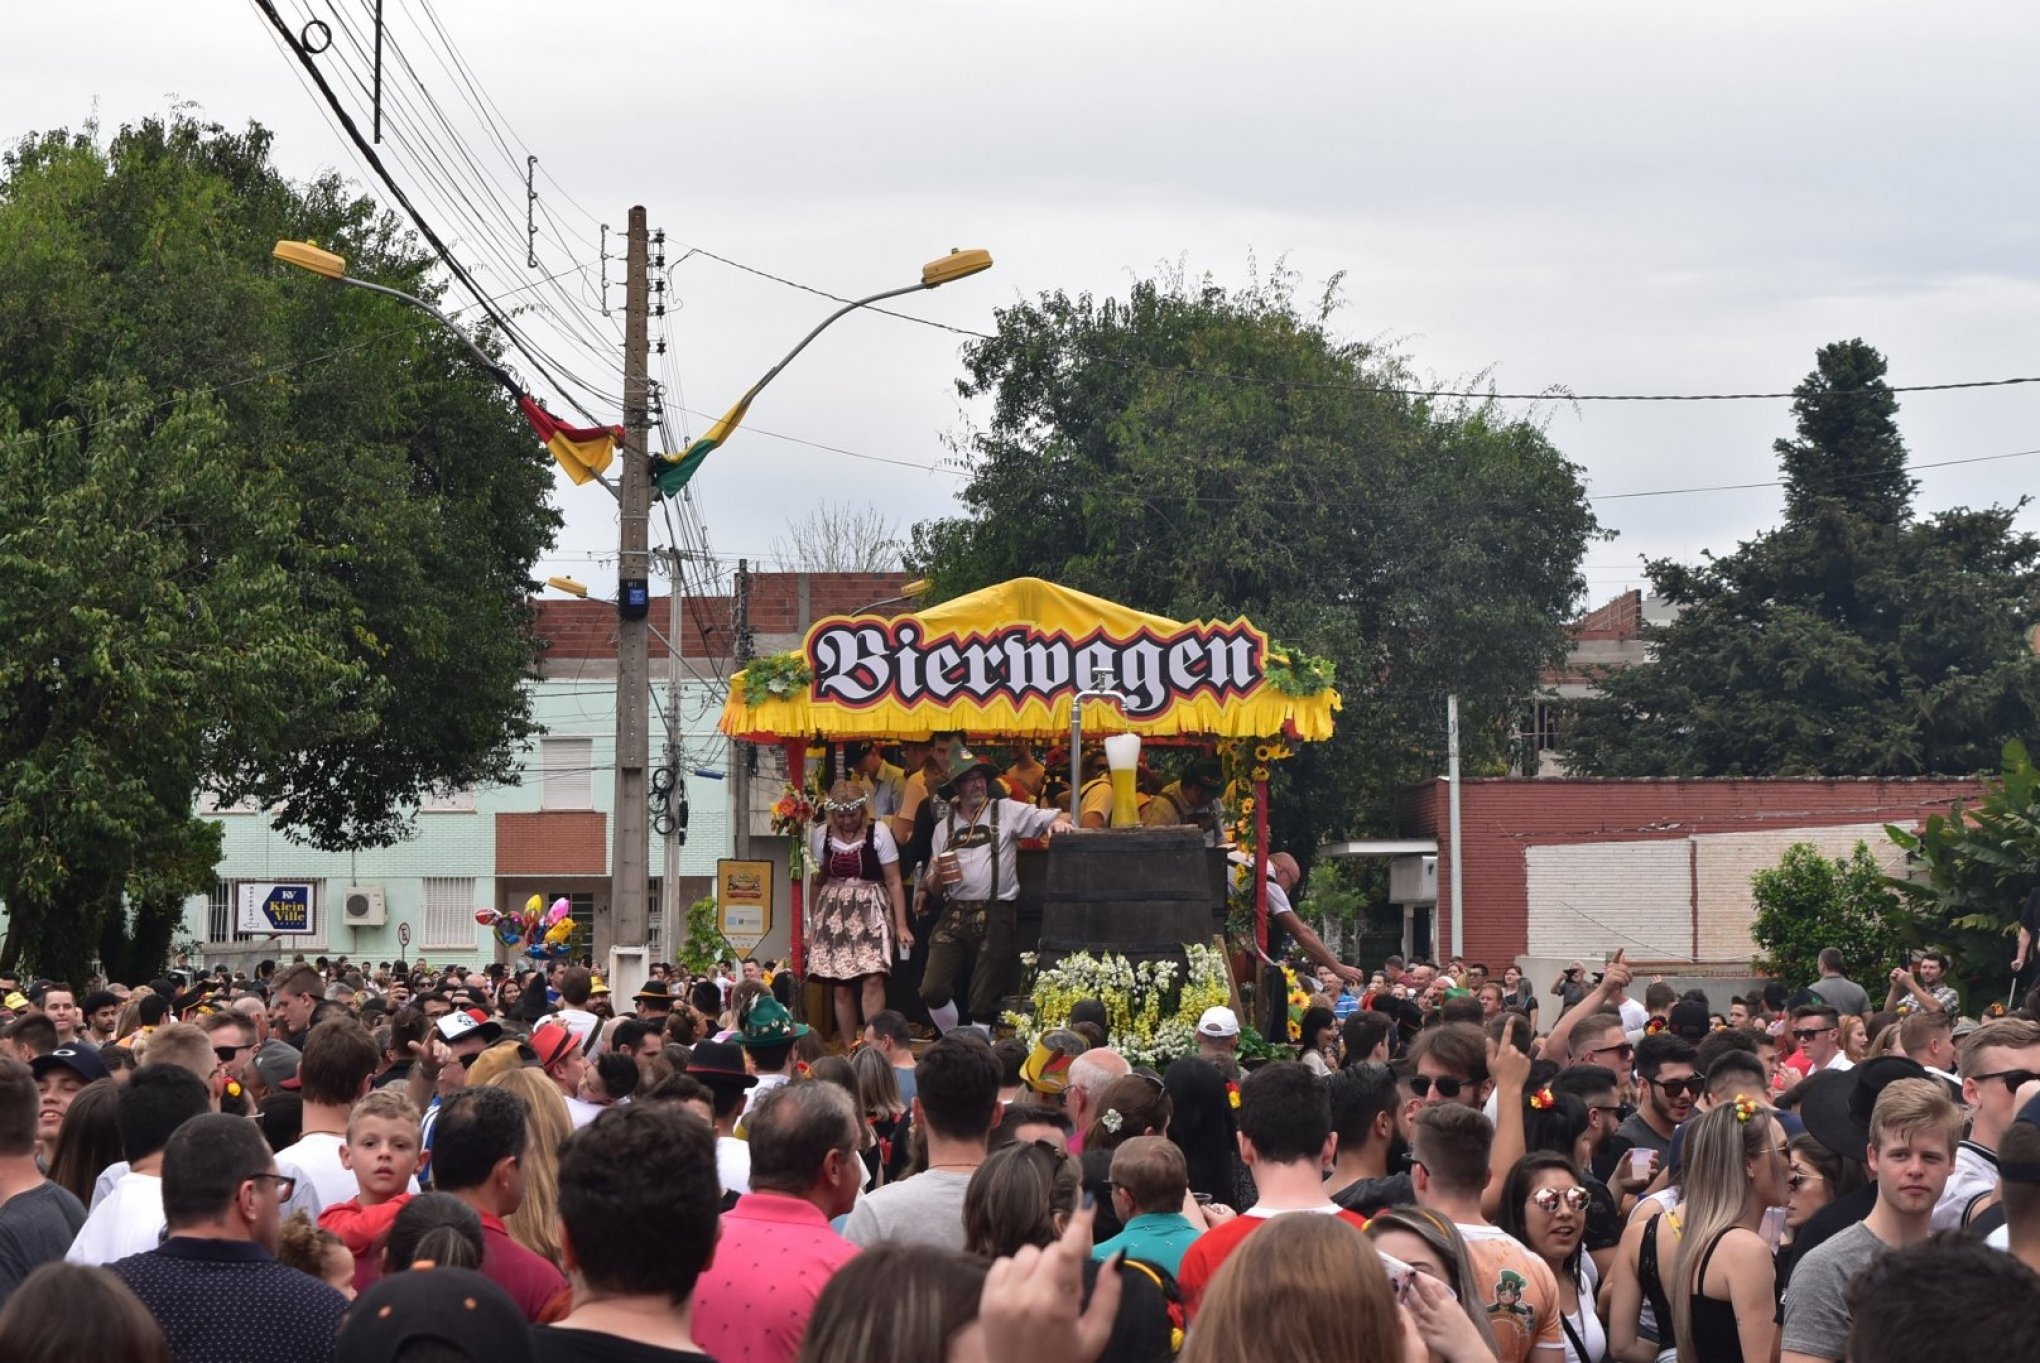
(553, 1042)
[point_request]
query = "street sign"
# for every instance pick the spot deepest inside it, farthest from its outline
(281, 909)
(403, 934)
(743, 901)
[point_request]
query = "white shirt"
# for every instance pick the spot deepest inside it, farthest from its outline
(821, 841)
(1635, 1017)
(733, 1164)
(303, 1198)
(1838, 1062)
(580, 1022)
(766, 1083)
(581, 1111)
(1975, 1171)
(974, 851)
(129, 1221)
(1278, 900)
(317, 1154)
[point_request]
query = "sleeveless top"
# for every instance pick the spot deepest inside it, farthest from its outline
(1715, 1338)
(1653, 1286)
(857, 862)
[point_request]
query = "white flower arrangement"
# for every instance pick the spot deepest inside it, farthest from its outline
(1151, 1007)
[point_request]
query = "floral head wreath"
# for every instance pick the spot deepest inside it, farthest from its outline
(1542, 1100)
(1654, 1026)
(1745, 1108)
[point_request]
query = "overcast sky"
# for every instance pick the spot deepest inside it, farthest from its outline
(1613, 197)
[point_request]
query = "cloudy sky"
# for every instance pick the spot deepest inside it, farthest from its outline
(1612, 197)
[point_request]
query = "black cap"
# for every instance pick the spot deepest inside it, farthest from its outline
(81, 1060)
(455, 1308)
(1689, 1019)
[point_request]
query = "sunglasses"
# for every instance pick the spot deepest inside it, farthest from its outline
(1796, 1180)
(1549, 1200)
(2013, 1079)
(1447, 1086)
(1625, 1050)
(1809, 1033)
(1673, 1088)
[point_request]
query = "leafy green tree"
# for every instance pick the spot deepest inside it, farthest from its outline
(1201, 453)
(1854, 639)
(264, 537)
(1808, 902)
(1973, 868)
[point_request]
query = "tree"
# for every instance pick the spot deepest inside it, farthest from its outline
(1973, 869)
(1199, 453)
(263, 537)
(838, 537)
(1807, 903)
(1853, 639)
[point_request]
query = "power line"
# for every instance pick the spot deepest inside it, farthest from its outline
(1555, 393)
(1743, 487)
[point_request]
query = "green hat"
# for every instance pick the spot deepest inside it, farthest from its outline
(769, 1024)
(962, 763)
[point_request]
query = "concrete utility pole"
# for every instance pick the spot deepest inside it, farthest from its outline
(627, 922)
(676, 799)
(740, 751)
(1452, 817)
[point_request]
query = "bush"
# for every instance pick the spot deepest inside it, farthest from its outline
(1807, 902)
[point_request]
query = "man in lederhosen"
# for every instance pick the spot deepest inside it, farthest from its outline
(973, 939)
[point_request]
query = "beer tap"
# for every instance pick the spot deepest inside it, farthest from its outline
(1101, 688)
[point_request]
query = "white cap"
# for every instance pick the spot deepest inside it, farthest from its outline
(1218, 1022)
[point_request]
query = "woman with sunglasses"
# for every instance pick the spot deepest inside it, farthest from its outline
(859, 913)
(1818, 1177)
(1544, 1206)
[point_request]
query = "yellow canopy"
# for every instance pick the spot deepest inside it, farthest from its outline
(1008, 660)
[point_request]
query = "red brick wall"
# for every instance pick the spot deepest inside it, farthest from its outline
(1501, 818)
(559, 842)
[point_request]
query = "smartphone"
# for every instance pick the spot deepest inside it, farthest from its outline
(1401, 1275)
(1203, 1199)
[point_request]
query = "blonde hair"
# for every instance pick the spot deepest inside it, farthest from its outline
(1305, 1289)
(536, 1224)
(180, 1044)
(498, 1060)
(388, 1103)
(304, 1246)
(2015, 1033)
(1908, 1107)
(1450, 1246)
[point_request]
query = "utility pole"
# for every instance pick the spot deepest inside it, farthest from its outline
(676, 799)
(740, 751)
(1452, 818)
(627, 922)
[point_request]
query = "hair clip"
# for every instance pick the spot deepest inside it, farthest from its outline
(1232, 1094)
(1654, 1026)
(1111, 1120)
(1745, 1108)
(1542, 1100)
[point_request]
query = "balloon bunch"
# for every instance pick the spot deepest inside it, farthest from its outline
(545, 933)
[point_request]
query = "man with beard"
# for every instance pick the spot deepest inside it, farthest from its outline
(973, 939)
(1365, 1103)
(1667, 1086)
(1913, 1130)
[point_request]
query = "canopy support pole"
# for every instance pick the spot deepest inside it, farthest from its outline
(796, 775)
(1261, 865)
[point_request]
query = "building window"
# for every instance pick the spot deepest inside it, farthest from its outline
(219, 913)
(449, 913)
(451, 802)
(566, 768)
(1544, 724)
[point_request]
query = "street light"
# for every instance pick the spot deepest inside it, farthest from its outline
(670, 474)
(584, 452)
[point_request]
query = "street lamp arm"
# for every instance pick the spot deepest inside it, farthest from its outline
(730, 420)
(496, 371)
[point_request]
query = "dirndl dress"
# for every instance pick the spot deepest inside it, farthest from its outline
(850, 924)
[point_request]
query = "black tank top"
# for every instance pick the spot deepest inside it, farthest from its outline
(1715, 1338)
(1653, 1286)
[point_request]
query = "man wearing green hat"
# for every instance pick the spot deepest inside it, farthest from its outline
(768, 1034)
(974, 867)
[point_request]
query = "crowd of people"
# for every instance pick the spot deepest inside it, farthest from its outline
(397, 1162)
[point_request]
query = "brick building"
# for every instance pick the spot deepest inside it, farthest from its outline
(1565, 868)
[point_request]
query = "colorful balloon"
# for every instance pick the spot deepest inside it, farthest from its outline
(560, 909)
(534, 906)
(559, 932)
(487, 917)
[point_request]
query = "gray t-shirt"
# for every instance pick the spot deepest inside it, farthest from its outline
(1845, 994)
(926, 1209)
(36, 1228)
(1816, 1306)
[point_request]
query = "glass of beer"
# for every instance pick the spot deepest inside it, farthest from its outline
(1122, 755)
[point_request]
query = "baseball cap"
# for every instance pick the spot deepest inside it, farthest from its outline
(277, 1063)
(1689, 1019)
(1219, 1021)
(82, 1061)
(465, 1314)
(472, 1022)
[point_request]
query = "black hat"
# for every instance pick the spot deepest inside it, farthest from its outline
(80, 1060)
(1836, 1104)
(719, 1063)
(655, 991)
(1689, 1019)
(1207, 772)
(467, 1315)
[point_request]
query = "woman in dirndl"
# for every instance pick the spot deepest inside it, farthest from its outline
(859, 914)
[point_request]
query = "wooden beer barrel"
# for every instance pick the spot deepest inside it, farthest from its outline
(1141, 893)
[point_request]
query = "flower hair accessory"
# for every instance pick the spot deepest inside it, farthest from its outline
(1542, 1100)
(1232, 1094)
(1654, 1026)
(1111, 1120)
(1745, 1109)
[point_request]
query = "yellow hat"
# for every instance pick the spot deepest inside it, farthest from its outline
(598, 986)
(15, 1001)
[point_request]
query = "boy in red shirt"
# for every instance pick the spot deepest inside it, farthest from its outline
(382, 1150)
(1286, 1139)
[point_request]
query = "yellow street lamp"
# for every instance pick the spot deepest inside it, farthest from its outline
(671, 473)
(584, 452)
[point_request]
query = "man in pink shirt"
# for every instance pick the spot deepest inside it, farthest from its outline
(777, 1250)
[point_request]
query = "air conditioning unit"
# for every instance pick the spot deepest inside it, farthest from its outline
(363, 907)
